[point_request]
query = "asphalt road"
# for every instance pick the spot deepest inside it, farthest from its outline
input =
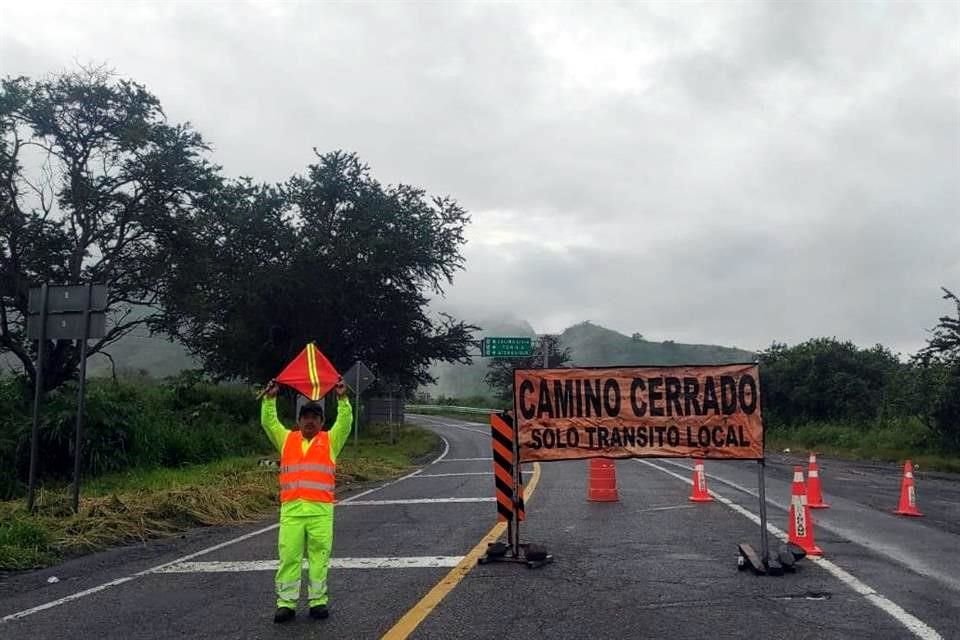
(651, 565)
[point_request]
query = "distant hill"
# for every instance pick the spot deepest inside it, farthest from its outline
(590, 345)
(463, 381)
(138, 353)
(593, 345)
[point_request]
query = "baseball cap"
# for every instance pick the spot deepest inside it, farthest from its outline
(316, 408)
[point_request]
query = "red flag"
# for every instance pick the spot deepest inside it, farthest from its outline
(310, 373)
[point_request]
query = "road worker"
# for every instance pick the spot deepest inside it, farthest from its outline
(308, 457)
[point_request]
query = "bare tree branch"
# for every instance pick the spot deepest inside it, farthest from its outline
(113, 365)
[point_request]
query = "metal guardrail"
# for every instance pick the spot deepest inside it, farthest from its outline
(446, 407)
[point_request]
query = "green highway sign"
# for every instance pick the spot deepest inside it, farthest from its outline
(502, 347)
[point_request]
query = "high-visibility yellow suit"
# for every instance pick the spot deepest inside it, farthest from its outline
(307, 479)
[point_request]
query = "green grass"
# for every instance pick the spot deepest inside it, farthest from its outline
(158, 479)
(128, 425)
(375, 457)
(139, 504)
(24, 544)
(892, 442)
(929, 462)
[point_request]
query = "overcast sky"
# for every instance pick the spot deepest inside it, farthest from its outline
(729, 173)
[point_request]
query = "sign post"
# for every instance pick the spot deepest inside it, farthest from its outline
(546, 341)
(88, 300)
(695, 411)
(63, 312)
(762, 491)
(38, 391)
(359, 377)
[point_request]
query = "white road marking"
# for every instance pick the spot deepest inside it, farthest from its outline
(381, 503)
(919, 566)
(70, 598)
(416, 562)
(113, 583)
(918, 627)
(678, 506)
(437, 422)
(738, 487)
(443, 454)
(484, 432)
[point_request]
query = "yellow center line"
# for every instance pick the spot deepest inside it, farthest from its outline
(418, 613)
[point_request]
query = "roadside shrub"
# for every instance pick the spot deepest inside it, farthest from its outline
(24, 544)
(946, 411)
(185, 420)
(12, 410)
(900, 437)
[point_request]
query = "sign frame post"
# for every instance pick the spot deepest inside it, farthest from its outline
(356, 413)
(362, 378)
(54, 314)
(38, 392)
(762, 491)
(81, 396)
(533, 556)
(517, 494)
(709, 411)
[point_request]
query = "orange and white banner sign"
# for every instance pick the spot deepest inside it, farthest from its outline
(708, 411)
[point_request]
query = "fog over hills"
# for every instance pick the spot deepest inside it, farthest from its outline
(590, 345)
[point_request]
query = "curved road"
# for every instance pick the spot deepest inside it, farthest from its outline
(651, 565)
(394, 543)
(654, 565)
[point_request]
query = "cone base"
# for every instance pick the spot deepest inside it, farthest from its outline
(813, 550)
(603, 496)
(707, 499)
(819, 505)
(914, 514)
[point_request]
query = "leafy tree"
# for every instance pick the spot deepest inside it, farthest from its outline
(499, 376)
(93, 184)
(940, 360)
(825, 379)
(945, 411)
(944, 342)
(333, 257)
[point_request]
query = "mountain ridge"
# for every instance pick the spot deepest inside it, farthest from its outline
(590, 345)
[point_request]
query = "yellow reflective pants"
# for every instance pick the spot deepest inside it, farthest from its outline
(296, 532)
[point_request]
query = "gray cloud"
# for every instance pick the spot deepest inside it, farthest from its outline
(731, 173)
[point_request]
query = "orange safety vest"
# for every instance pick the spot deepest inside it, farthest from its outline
(307, 476)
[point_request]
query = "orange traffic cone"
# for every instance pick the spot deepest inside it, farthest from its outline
(602, 483)
(814, 492)
(908, 494)
(800, 525)
(699, 493)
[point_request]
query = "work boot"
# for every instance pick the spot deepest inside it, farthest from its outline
(319, 612)
(284, 614)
